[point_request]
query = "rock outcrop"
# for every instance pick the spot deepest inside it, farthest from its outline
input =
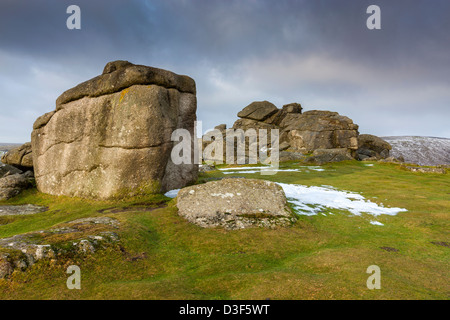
(20, 157)
(315, 129)
(370, 146)
(301, 133)
(12, 185)
(235, 203)
(111, 136)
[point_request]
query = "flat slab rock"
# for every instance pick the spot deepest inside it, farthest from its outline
(25, 209)
(235, 203)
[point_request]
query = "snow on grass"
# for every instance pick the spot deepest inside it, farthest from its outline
(172, 193)
(376, 223)
(249, 170)
(243, 168)
(314, 168)
(313, 200)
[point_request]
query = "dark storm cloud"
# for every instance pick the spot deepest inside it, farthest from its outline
(319, 53)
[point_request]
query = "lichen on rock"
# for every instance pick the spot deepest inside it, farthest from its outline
(110, 136)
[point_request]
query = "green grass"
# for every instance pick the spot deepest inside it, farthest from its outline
(319, 257)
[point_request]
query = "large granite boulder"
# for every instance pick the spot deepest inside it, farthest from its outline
(20, 157)
(301, 133)
(235, 203)
(370, 146)
(110, 137)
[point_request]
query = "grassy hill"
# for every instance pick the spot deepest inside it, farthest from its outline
(324, 256)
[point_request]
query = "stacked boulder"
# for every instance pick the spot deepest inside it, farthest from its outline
(312, 136)
(110, 137)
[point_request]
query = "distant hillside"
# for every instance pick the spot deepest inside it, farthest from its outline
(428, 151)
(8, 146)
(4, 147)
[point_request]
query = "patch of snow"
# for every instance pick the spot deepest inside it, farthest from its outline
(243, 168)
(314, 168)
(172, 193)
(313, 200)
(258, 171)
(376, 223)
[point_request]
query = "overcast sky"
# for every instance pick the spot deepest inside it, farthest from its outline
(393, 81)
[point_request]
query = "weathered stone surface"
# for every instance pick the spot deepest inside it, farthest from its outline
(291, 156)
(235, 204)
(20, 157)
(258, 110)
(12, 185)
(372, 146)
(279, 116)
(292, 108)
(300, 133)
(321, 156)
(116, 65)
(284, 145)
(111, 136)
(43, 120)
(313, 130)
(7, 170)
(245, 124)
(119, 75)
